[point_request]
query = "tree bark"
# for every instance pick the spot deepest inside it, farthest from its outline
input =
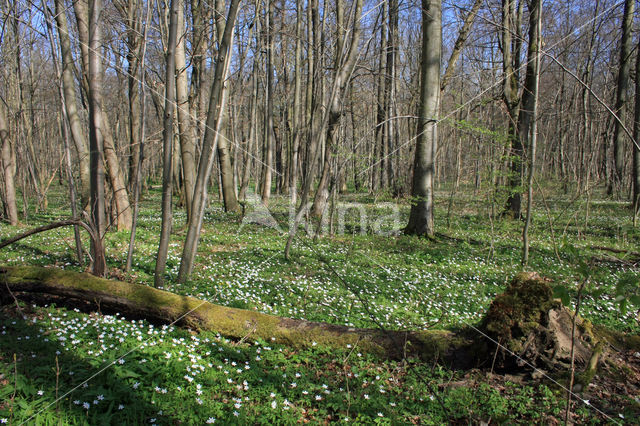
(8, 169)
(297, 108)
(186, 130)
(167, 147)
(622, 89)
(421, 215)
(459, 44)
(216, 108)
(345, 62)
(96, 136)
(123, 212)
(107, 145)
(69, 87)
(528, 112)
(636, 147)
(525, 319)
(510, 66)
(268, 112)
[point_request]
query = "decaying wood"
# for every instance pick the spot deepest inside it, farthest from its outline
(525, 319)
(140, 301)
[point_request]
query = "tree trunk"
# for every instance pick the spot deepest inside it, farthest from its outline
(167, 147)
(96, 136)
(621, 98)
(216, 108)
(421, 215)
(268, 112)
(528, 127)
(525, 319)
(69, 86)
(122, 212)
(186, 130)
(459, 44)
(636, 145)
(297, 107)
(107, 145)
(8, 169)
(510, 67)
(345, 62)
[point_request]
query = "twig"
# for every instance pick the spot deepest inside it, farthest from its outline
(573, 355)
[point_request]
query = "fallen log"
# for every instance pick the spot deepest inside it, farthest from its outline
(532, 328)
(141, 301)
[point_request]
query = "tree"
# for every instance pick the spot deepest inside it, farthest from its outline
(528, 120)
(345, 61)
(167, 147)
(70, 103)
(186, 130)
(511, 28)
(8, 169)
(268, 111)
(421, 215)
(116, 177)
(636, 144)
(96, 136)
(224, 154)
(622, 89)
(212, 130)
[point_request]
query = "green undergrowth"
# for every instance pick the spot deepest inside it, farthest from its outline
(366, 276)
(63, 367)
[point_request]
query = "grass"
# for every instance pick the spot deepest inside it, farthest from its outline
(364, 280)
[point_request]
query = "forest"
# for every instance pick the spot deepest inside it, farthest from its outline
(320, 211)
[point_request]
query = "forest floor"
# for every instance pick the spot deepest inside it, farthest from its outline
(64, 366)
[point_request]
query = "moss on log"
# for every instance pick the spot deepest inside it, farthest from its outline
(141, 301)
(525, 319)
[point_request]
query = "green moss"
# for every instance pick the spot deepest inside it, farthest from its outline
(618, 339)
(520, 310)
(233, 322)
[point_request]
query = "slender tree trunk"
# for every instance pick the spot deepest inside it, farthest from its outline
(297, 107)
(345, 62)
(378, 145)
(69, 86)
(390, 95)
(64, 127)
(529, 111)
(421, 215)
(253, 117)
(8, 170)
(116, 178)
(459, 44)
(186, 130)
(167, 147)
(108, 150)
(511, 63)
(268, 118)
(137, 186)
(130, 13)
(621, 98)
(224, 150)
(209, 145)
(636, 147)
(96, 136)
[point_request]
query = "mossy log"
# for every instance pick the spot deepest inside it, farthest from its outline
(140, 301)
(525, 319)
